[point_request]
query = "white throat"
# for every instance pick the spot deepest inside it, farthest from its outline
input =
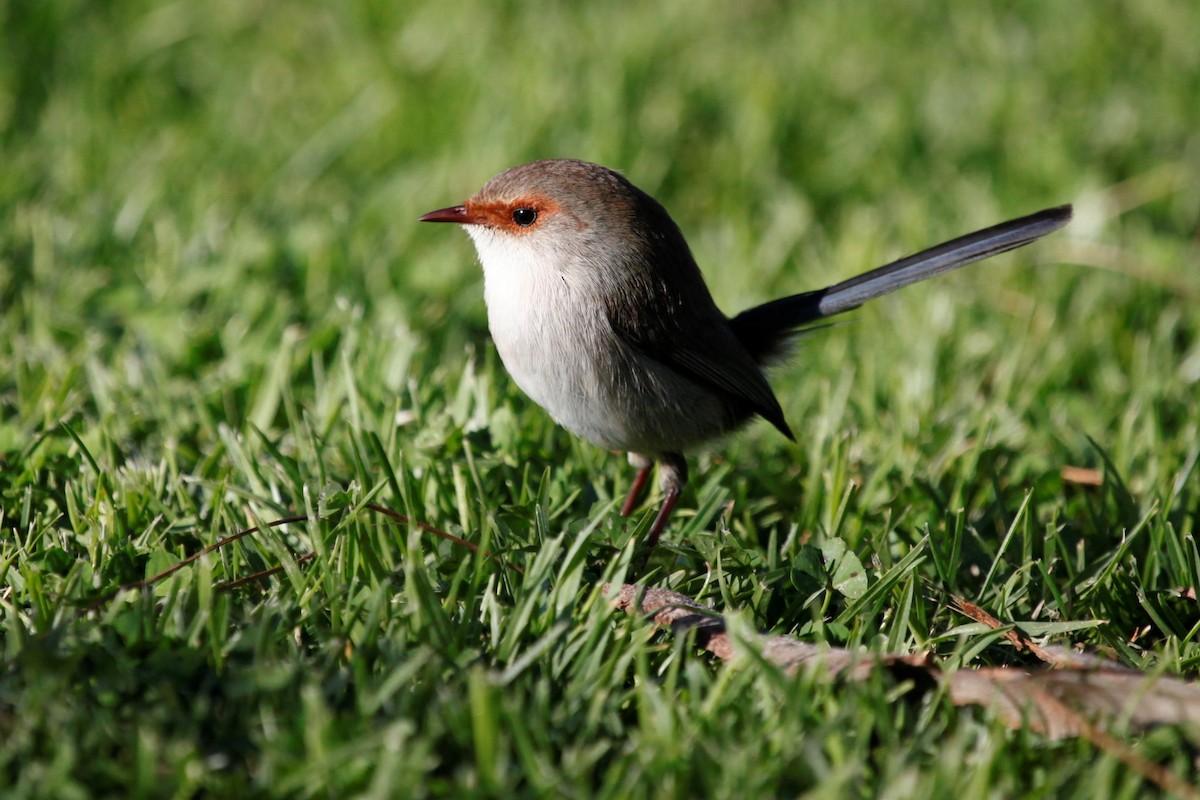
(549, 327)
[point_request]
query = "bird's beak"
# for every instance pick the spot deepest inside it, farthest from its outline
(457, 214)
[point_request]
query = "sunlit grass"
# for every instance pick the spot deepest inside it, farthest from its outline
(218, 310)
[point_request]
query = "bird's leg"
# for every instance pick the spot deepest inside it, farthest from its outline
(672, 477)
(664, 513)
(643, 464)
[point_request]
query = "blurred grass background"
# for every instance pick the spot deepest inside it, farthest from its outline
(217, 309)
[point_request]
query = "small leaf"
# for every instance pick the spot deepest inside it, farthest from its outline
(333, 498)
(1048, 628)
(846, 572)
(808, 570)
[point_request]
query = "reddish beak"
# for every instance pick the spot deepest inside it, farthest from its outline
(453, 214)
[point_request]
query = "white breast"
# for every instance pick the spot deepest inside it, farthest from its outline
(545, 327)
(550, 328)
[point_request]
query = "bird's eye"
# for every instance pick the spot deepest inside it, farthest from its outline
(524, 216)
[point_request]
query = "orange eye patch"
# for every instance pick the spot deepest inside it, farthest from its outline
(519, 215)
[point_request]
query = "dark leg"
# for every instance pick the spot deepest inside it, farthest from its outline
(639, 483)
(664, 513)
(672, 470)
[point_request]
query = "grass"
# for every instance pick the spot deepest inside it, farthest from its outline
(218, 311)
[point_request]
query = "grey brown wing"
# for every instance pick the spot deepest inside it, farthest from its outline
(704, 349)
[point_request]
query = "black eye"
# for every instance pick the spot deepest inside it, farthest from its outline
(524, 216)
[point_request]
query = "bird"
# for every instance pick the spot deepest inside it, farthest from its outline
(601, 315)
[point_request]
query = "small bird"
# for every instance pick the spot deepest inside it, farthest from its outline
(601, 315)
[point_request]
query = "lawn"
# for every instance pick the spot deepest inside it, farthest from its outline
(217, 310)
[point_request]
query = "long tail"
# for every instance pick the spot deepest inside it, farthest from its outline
(765, 329)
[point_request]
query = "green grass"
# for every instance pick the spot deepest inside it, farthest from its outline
(217, 310)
